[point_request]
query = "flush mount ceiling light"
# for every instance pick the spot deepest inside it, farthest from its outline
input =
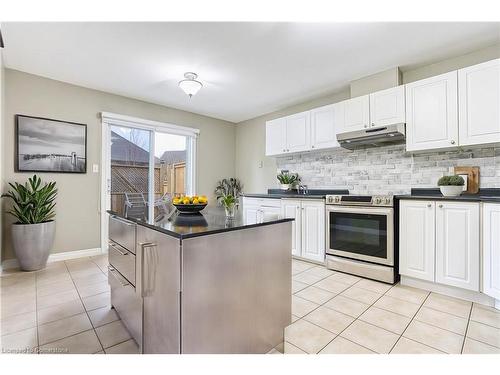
(190, 85)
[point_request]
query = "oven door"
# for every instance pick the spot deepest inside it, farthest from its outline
(364, 233)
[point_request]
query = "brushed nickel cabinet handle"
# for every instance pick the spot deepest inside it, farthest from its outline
(117, 248)
(452, 142)
(440, 206)
(429, 205)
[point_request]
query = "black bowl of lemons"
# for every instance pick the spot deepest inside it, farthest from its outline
(190, 204)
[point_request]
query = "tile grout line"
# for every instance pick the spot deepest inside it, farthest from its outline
(467, 328)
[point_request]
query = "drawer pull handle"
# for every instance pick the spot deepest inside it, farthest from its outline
(117, 248)
(122, 281)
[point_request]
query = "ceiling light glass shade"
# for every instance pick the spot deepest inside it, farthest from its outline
(190, 85)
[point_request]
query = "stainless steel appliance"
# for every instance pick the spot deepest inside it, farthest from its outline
(122, 275)
(381, 136)
(360, 236)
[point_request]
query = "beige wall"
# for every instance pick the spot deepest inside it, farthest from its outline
(375, 82)
(2, 81)
(77, 211)
(250, 134)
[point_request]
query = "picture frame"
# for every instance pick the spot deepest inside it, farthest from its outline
(45, 145)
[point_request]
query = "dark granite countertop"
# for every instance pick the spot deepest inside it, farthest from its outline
(484, 195)
(211, 220)
(311, 194)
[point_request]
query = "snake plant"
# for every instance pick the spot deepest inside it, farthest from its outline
(33, 202)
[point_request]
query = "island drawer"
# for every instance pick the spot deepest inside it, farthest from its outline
(122, 232)
(122, 260)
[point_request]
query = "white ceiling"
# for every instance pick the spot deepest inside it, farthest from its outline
(248, 69)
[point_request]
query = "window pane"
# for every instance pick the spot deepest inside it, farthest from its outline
(171, 165)
(130, 150)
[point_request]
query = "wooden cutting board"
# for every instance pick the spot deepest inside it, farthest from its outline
(472, 174)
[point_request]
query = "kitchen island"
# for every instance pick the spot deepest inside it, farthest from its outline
(201, 283)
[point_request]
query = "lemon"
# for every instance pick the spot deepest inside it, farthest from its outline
(196, 201)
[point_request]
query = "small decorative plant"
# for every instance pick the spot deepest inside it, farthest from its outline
(229, 204)
(228, 186)
(32, 202)
(451, 186)
(287, 179)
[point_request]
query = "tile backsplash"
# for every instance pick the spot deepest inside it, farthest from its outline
(389, 169)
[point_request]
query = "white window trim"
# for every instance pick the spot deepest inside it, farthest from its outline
(107, 119)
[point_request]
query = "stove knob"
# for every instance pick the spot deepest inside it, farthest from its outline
(330, 199)
(387, 200)
(378, 200)
(337, 199)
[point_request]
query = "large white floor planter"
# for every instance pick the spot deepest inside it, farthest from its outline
(32, 244)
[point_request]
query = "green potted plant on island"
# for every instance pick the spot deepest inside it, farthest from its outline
(229, 204)
(451, 186)
(287, 180)
(228, 186)
(33, 232)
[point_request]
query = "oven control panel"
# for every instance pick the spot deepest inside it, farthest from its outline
(361, 200)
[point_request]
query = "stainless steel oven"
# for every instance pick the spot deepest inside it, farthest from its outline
(360, 235)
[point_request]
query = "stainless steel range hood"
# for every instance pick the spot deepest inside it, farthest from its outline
(373, 137)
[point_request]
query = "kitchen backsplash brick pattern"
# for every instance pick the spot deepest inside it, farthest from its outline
(389, 169)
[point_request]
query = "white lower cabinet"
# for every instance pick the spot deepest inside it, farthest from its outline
(256, 210)
(491, 250)
(308, 232)
(457, 244)
(440, 242)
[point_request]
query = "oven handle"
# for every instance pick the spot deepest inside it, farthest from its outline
(361, 210)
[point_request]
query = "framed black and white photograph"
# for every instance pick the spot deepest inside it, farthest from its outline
(47, 145)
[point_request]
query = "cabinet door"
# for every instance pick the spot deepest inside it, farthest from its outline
(298, 132)
(313, 230)
(387, 107)
(491, 250)
(416, 239)
(431, 113)
(291, 209)
(357, 113)
(251, 214)
(457, 244)
(269, 213)
(323, 129)
(479, 103)
(275, 137)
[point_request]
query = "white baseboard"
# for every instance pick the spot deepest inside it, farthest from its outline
(56, 257)
(451, 291)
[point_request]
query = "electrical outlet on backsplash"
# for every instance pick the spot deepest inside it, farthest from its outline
(388, 170)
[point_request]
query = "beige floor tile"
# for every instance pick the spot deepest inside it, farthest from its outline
(16, 289)
(97, 301)
(292, 349)
(112, 333)
(408, 294)
(332, 285)
(88, 280)
(476, 347)
(19, 342)
(485, 316)
(342, 346)
(61, 311)
(298, 286)
(484, 333)
(345, 278)
(81, 343)
(18, 278)
(102, 316)
(301, 307)
(374, 286)
(449, 305)
(316, 295)
(442, 320)
(320, 271)
(15, 307)
(53, 288)
(18, 298)
(93, 289)
(385, 319)
(295, 318)
(347, 306)
(128, 347)
(63, 328)
(407, 346)
(361, 295)
(329, 319)
(374, 338)
(307, 278)
(307, 336)
(94, 270)
(57, 299)
(434, 337)
(273, 351)
(397, 306)
(299, 266)
(16, 323)
(280, 347)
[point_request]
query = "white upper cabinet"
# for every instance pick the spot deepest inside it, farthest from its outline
(432, 113)
(491, 250)
(457, 244)
(323, 129)
(298, 132)
(275, 137)
(387, 107)
(356, 113)
(416, 239)
(479, 103)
